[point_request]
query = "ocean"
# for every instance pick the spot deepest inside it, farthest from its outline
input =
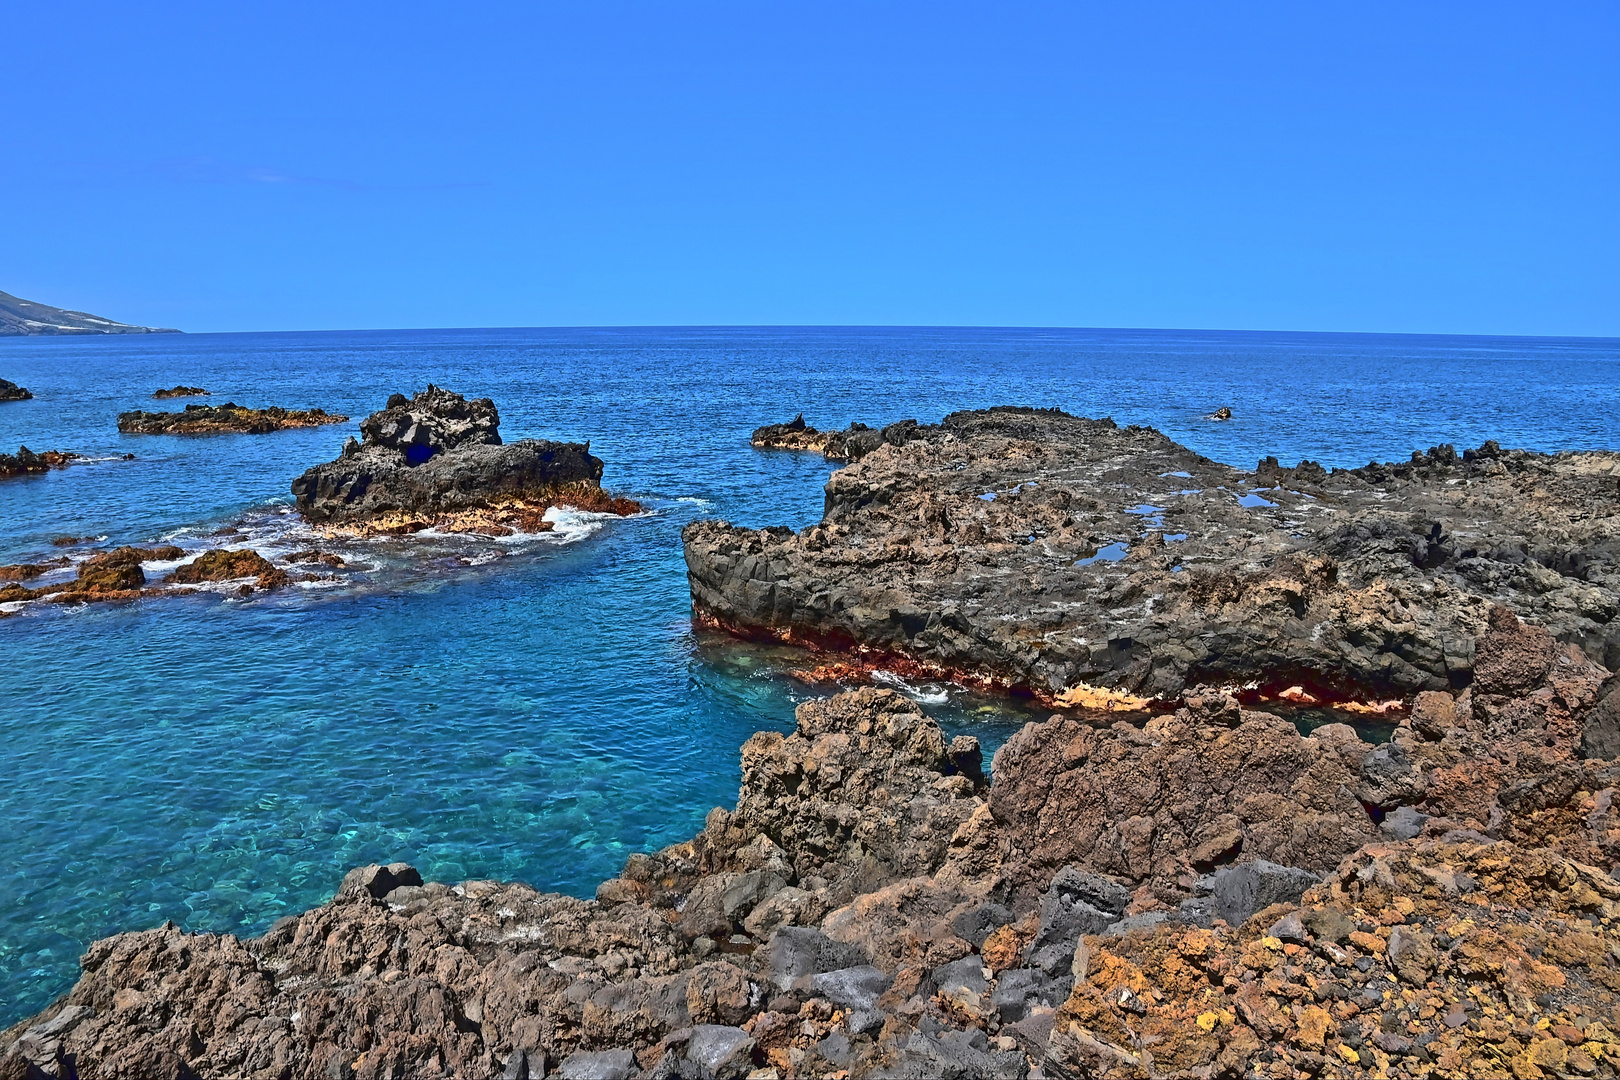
(538, 709)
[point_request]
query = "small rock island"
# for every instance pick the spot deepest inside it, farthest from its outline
(180, 391)
(25, 461)
(10, 391)
(436, 460)
(227, 419)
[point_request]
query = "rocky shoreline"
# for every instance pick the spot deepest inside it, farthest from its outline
(1209, 894)
(1090, 564)
(227, 419)
(437, 461)
(1161, 882)
(10, 391)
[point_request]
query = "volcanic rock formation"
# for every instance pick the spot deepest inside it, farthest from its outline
(180, 391)
(10, 391)
(1081, 560)
(851, 444)
(437, 460)
(869, 907)
(227, 419)
(25, 461)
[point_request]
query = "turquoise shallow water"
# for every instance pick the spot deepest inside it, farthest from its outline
(537, 710)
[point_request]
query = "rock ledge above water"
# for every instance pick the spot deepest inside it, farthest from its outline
(1090, 563)
(437, 460)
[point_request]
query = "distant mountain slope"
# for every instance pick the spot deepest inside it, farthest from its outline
(19, 316)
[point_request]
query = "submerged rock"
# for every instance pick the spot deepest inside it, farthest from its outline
(1110, 567)
(180, 391)
(437, 460)
(228, 418)
(10, 391)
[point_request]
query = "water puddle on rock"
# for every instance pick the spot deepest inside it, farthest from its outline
(1111, 553)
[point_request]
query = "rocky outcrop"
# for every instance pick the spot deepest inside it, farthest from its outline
(231, 564)
(120, 575)
(851, 444)
(437, 460)
(25, 461)
(110, 575)
(180, 391)
(26, 317)
(227, 419)
(10, 391)
(867, 907)
(1032, 549)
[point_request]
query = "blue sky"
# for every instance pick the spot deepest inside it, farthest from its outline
(1369, 166)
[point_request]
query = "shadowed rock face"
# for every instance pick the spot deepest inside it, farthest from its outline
(1035, 549)
(866, 907)
(435, 454)
(10, 391)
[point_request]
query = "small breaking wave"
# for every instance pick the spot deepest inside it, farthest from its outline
(926, 694)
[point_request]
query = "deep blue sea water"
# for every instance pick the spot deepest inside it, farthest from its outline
(537, 710)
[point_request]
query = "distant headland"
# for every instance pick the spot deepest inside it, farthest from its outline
(20, 317)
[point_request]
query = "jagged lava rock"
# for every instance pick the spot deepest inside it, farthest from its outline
(851, 444)
(10, 391)
(1035, 549)
(180, 391)
(227, 419)
(436, 454)
(934, 930)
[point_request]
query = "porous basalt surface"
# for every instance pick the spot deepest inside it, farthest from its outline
(437, 460)
(1032, 549)
(226, 419)
(25, 461)
(10, 391)
(869, 908)
(180, 391)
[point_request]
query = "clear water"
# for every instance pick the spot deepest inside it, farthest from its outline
(537, 711)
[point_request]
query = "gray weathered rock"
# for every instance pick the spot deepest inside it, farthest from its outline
(433, 454)
(1076, 903)
(597, 1065)
(1240, 891)
(1033, 548)
(794, 952)
(720, 1051)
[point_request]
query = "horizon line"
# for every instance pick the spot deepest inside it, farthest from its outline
(836, 326)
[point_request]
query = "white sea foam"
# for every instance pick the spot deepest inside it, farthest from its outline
(927, 694)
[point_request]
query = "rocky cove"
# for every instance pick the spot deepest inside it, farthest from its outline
(1188, 887)
(1209, 894)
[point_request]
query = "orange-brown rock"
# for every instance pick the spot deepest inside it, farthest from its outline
(229, 418)
(229, 564)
